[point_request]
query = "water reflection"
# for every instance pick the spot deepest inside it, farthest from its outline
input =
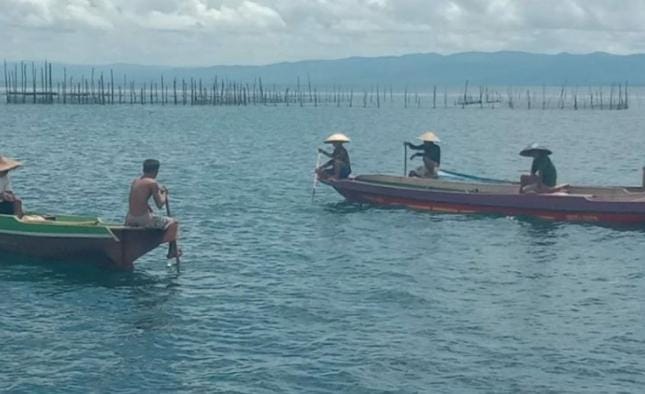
(27, 269)
(549, 225)
(541, 232)
(347, 207)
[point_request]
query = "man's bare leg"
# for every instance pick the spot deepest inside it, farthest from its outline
(17, 208)
(171, 237)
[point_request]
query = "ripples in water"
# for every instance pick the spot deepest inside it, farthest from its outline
(279, 294)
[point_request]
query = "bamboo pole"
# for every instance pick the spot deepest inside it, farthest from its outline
(434, 97)
(24, 82)
(163, 101)
(626, 102)
(111, 87)
(6, 82)
(174, 89)
(64, 85)
(51, 84)
(15, 81)
(378, 97)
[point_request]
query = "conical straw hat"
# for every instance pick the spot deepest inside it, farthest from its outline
(535, 147)
(337, 137)
(7, 164)
(429, 136)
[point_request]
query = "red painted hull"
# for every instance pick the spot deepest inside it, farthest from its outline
(473, 209)
(564, 208)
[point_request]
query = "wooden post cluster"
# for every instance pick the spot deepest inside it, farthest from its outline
(35, 84)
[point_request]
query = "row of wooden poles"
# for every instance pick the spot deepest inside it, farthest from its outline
(26, 83)
(617, 98)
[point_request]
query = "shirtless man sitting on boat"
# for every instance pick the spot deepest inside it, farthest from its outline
(140, 214)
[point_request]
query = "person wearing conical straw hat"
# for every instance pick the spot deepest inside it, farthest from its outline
(10, 204)
(339, 166)
(431, 154)
(543, 176)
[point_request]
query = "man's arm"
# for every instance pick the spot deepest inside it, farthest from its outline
(416, 155)
(415, 147)
(327, 164)
(7, 196)
(325, 152)
(159, 194)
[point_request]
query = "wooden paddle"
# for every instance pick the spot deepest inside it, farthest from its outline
(405, 159)
(313, 189)
(173, 244)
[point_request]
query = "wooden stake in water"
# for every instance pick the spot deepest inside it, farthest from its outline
(313, 190)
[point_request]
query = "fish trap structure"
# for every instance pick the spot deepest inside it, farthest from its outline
(27, 83)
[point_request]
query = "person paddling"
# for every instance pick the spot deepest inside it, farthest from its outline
(10, 204)
(339, 167)
(431, 154)
(543, 176)
(140, 214)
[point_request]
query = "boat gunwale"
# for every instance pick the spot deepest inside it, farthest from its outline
(92, 228)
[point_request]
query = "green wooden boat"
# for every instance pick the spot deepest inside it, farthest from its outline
(86, 240)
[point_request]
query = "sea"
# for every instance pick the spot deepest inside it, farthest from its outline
(279, 292)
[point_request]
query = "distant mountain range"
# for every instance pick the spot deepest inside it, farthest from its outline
(414, 70)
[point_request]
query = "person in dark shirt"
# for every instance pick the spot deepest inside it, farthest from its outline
(544, 176)
(339, 166)
(431, 154)
(10, 204)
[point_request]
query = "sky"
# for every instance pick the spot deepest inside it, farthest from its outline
(214, 32)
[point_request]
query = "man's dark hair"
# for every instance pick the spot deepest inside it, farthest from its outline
(151, 165)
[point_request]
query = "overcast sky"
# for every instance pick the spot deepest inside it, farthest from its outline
(208, 32)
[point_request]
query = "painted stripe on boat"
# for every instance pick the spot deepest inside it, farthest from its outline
(54, 235)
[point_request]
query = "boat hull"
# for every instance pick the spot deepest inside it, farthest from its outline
(500, 200)
(64, 241)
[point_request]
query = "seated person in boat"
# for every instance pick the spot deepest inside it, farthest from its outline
(10, 204)
(338, 167)
(431, 154)
(543, 176)
(140, 214)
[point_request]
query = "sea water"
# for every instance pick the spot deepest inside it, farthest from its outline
(281, 294)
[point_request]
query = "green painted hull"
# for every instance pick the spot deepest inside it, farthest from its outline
(72, 226)
(77, 239)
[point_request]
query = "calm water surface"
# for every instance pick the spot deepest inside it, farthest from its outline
(279, 294)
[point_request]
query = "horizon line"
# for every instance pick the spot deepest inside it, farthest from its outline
(446, 55)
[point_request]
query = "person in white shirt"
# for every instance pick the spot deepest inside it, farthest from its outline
(10, 204)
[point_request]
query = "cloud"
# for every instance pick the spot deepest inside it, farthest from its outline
(58, 14)
(261, 31)
(247, 16)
